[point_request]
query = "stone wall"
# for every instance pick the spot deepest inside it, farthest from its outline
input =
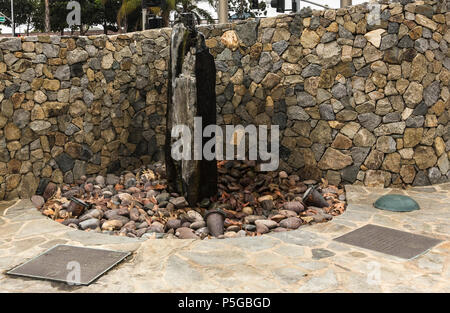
(356, 102)
(79, 106)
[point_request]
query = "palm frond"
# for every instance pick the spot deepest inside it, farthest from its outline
(213, 3)
(128, 7)
(204, 14)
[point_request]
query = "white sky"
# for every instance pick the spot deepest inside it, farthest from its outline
(203, 4)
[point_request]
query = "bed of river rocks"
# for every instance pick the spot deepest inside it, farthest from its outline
(138, 204)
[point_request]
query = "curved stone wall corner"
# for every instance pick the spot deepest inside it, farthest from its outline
(360, 97)
(79, 106)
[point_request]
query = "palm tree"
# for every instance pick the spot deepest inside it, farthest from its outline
(128, 7)
(184, 6)
(47, 16)
(167, 7)
(180, 6)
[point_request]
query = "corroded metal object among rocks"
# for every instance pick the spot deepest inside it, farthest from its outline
(49, 191)
(214, 221)
(191, 93)
(77, 206)
(313, 197)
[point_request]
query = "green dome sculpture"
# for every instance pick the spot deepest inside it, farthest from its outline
(396, 203)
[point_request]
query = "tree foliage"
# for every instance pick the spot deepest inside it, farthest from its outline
(58, 15)
(184, 6)
(242, 9)
(23, 9)
(107, 15)
(112, 14)
(130, 7)
(93, 12)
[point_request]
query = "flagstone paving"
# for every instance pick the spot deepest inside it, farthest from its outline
(305, 260)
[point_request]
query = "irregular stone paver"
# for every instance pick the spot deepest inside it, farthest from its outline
(304, 260)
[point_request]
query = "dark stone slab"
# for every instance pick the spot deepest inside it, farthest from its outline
(76, 70)
(421, 179)
(42, 185)
(280, 119)
(65, 162)
(420, 109)
(193, 179)
(350, 173)
(109, 75)
(10, 90)
(248, 32)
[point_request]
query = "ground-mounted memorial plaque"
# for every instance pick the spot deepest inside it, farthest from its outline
(389, 241)
(70, 264)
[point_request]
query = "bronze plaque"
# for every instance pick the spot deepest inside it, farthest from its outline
(70, 264)
(389, 241)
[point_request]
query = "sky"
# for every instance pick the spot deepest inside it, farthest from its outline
(203, 4)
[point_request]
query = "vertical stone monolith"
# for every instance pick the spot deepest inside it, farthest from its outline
(191, 94)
